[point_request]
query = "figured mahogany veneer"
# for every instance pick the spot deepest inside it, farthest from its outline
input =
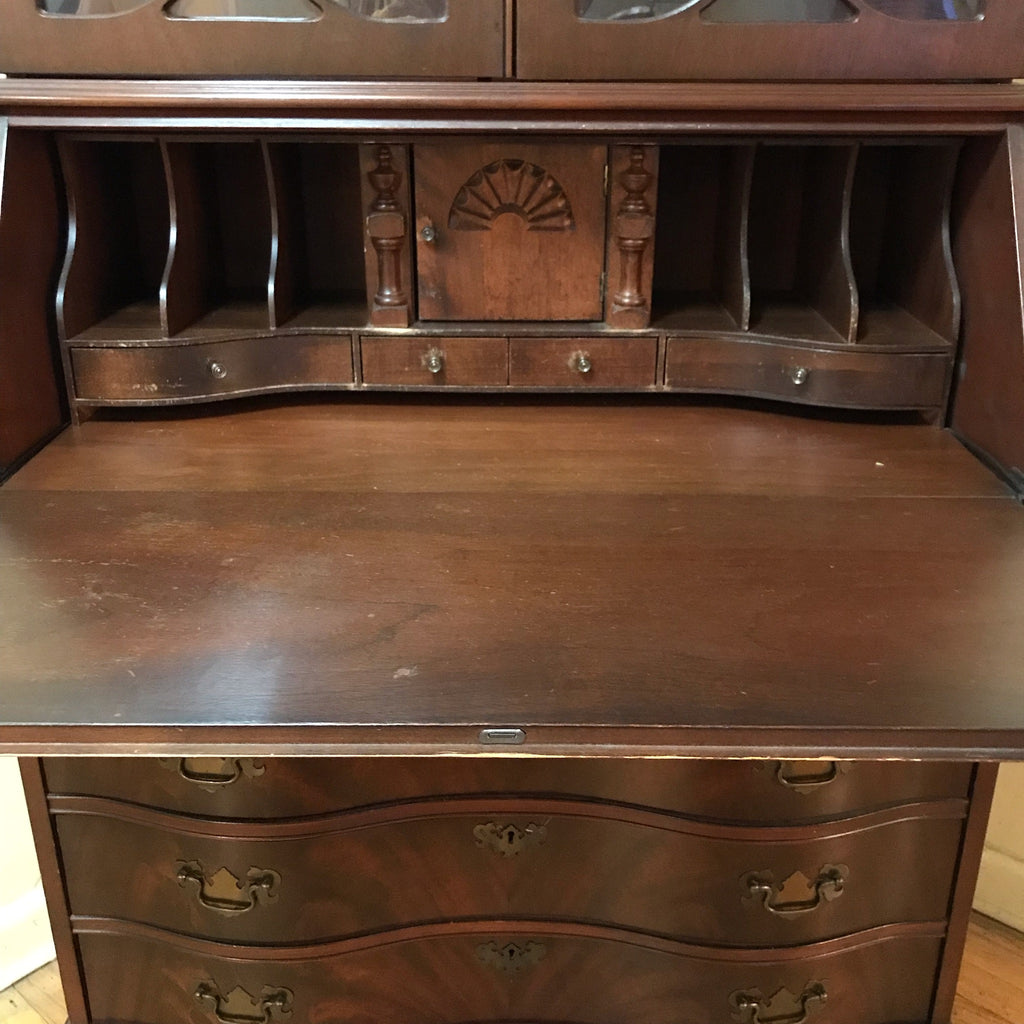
(569, 860)
(447, 974)
(752, 792)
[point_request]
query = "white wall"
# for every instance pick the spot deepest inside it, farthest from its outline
(1001, 883)
(25, 942)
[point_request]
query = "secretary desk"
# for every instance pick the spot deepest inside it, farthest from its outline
(512, 506)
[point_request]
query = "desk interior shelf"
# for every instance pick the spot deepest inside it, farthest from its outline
(829, 257)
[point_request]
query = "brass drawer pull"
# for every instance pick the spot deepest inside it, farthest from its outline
(224, 893)
(213, 772)
(788, 774)
(581, 362)
(511, 958)
(508, 840)
(752, 1007)
(238, 1007)
(434, 360)
(829, 885)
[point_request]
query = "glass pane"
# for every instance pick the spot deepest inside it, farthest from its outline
(931, 10)
(244, 10)
(630, 10)
(779, 10)
(408, 11)
(88, 8)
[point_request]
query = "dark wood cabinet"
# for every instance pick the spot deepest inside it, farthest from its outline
(764, 40)
(497, 878)
(510, 232)
(648, 658)
(822, 269)
(413, 38)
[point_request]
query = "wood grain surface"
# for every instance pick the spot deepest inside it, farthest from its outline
(600, 975)
(656, 575)
(596, 864)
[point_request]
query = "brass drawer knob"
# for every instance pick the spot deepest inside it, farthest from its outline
(217, 370)
(225, 893)
(434, 360)
(753, 1007)
(796, 894)
(238, 1007)
(799, 375)
(581, 362)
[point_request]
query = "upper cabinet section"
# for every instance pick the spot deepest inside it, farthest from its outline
(299, 38)
(770, 39)
(555, 40)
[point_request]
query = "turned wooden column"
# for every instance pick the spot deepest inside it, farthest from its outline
(632, 201)
(388, 271)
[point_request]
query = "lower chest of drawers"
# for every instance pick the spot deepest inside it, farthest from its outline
(248, 891)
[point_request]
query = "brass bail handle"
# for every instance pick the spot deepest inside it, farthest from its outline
(273, 1004)
(260, 886)
(753, 1007)
(829, 885)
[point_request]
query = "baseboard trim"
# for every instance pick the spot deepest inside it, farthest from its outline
(1000, 892)
(25, 941)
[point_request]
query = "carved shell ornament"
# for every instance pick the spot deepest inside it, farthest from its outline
(511, 186)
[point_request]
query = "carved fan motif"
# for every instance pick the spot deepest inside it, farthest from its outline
(511, 186)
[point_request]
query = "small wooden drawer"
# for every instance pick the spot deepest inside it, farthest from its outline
(844, 378)
(587, 862)
(602, 363)
(165, 374)
(420, 38)
(435, 362)
(769, 39)
(518, 971)
(756, 792)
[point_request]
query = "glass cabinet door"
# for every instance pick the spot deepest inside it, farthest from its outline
(780, 40)
(298, 38)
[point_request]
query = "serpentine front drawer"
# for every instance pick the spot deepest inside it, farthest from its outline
(754, 792)
(844, 378)
(127, 375)
(489, 971)
(487, 857)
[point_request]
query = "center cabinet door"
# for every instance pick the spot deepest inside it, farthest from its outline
(510, 232)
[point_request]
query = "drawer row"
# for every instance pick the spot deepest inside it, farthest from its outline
(756, 792)
(593, 863)
(487, 971)
(162, 374)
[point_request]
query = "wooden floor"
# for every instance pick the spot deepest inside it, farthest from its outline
(991, 984)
